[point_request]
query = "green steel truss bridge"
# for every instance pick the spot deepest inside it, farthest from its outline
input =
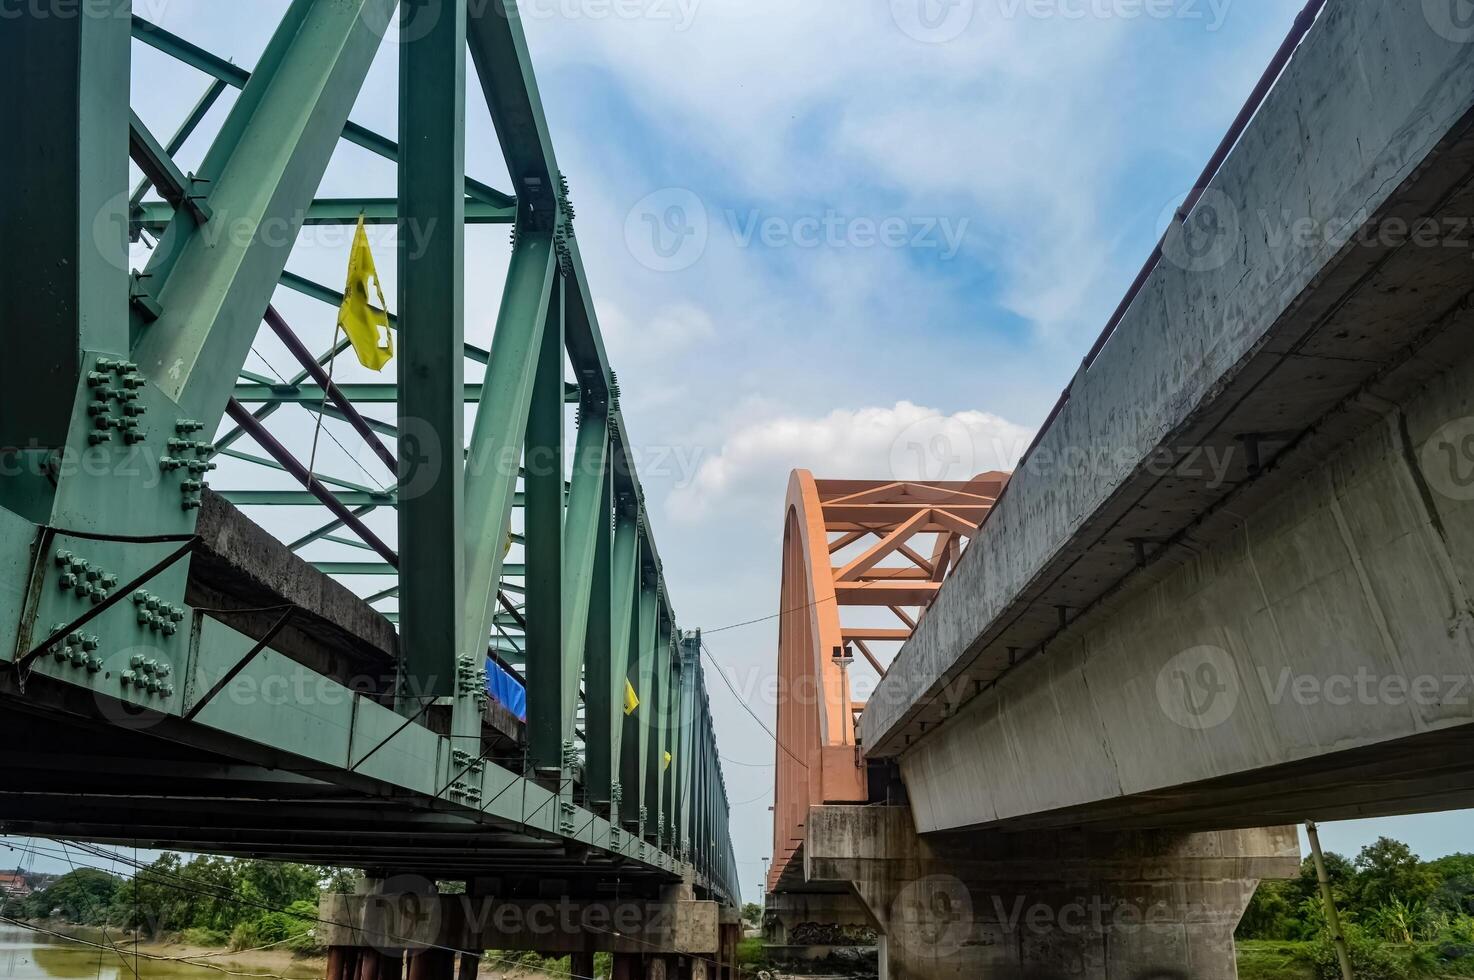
(173, 674)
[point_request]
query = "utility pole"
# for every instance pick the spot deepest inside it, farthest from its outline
(1333, 920)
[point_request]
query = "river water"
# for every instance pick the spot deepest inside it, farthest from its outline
(26, 955)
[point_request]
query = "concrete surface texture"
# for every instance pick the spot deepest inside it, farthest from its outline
(1297, 288)
(1096, 905)
(1317, 660)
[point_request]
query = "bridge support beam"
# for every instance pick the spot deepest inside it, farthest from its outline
(414, 917)
(1098, 905)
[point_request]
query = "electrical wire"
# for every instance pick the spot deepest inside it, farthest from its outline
(745, 707)
(272, 368)
(833, 597)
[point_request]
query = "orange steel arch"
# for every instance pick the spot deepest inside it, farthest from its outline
(873, 527)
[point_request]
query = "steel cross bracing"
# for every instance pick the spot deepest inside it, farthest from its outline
(112, 383)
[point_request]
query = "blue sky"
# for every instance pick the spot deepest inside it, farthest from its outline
(1023, 155)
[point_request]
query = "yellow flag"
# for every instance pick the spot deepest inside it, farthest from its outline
(668, 758)
(367, 326)
(631, 701)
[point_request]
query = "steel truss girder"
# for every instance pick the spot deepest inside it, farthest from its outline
(596, 599)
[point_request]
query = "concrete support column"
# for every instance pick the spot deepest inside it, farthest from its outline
(1092, 904)
(626, 966)
(582, 966)
(470, 963)
(659, 967)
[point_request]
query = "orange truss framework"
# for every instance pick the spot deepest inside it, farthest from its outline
(847, 544)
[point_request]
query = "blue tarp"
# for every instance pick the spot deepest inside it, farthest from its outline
(507, 690)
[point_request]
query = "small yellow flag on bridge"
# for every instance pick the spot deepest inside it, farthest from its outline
(631, 700)
(367, 326)
(668, 758)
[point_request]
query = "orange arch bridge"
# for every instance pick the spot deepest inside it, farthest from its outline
(862, 562)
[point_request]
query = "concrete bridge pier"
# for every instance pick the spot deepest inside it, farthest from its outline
(1133, 905)
(666, 933)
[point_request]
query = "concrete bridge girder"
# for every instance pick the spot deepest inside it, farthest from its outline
(1283, 633)
(1318, 660)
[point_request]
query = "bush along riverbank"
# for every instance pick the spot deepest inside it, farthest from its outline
(1403, 919)
(204, 903)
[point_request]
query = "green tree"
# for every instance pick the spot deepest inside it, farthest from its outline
(82, 896)
(1273, 912)
(1455, 893)
(1387, 871)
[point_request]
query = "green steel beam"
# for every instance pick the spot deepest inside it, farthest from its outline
(237, 77)
(377, 568)
(346, 542)
(360, 393)
(630, 762)
(549, 722)
(362, 497)
(597, 602)
(586, 531)
(659, 729)
(301, 498)
(155, 216)
(268, 157)
(160, 170)
(649, 712)
(499, 52)
(64, 225)
(500, 428)
(327, 529)
(609, 618)
(329, 480)
(431, 364)
(176, 142)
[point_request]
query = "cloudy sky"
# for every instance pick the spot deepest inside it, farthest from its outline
(809, 225)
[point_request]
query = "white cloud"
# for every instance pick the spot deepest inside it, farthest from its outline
(903, 442)
(669, 330)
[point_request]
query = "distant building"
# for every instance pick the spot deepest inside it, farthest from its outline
(14, 885)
